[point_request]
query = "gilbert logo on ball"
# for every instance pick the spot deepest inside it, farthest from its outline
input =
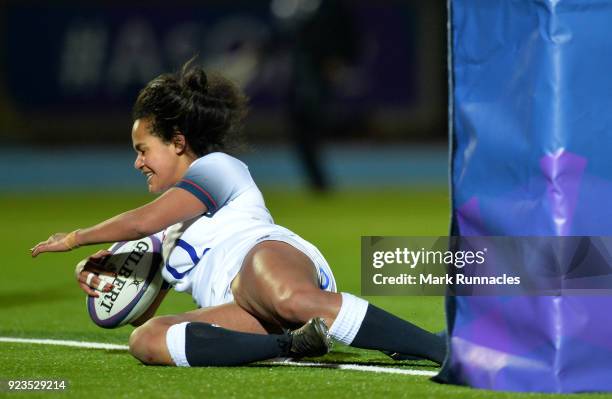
(138, 266)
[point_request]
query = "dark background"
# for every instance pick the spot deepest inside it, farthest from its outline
(70, 71)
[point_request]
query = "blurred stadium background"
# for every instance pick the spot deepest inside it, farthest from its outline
(355, 87)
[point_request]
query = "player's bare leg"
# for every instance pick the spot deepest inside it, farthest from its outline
(148, 342)
(278, 283)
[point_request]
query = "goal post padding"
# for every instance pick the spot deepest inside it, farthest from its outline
(531, 155)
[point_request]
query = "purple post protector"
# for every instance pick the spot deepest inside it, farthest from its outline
(531, 136)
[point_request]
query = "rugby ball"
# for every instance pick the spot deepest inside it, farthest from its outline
(138, 265)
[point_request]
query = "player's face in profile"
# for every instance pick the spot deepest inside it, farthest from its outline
(157, 160)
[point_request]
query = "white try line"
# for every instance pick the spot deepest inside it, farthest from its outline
(355, 367)
(60, 342)
(282, 362)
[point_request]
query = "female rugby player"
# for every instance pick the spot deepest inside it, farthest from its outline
(251, 278)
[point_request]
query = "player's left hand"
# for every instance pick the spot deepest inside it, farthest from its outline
(58, 242)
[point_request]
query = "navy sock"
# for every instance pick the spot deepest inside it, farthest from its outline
(207, 345)
(383, 331)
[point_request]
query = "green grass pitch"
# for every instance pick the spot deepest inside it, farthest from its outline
(40, 299)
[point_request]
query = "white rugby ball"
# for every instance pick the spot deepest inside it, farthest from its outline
(138, 265)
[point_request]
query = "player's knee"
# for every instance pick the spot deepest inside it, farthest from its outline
(139, 344)
(146, 341)
(294, 306)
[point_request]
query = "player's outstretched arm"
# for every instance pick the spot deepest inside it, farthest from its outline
(174, 206)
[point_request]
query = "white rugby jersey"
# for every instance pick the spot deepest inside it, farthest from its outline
(198, 253)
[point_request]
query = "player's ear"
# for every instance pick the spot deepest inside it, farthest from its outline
(180, 143)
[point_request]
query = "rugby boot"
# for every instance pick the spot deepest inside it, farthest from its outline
(310, 340)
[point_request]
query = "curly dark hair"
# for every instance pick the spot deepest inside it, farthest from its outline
(207, 109)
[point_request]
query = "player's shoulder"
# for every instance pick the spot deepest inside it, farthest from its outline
(217, 159)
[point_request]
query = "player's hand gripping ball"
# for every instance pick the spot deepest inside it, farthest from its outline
(133, 275)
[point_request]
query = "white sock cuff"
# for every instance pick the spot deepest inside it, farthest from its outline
(175, 341)
(349, 319)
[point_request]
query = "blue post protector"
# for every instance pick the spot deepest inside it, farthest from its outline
(531, 155)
